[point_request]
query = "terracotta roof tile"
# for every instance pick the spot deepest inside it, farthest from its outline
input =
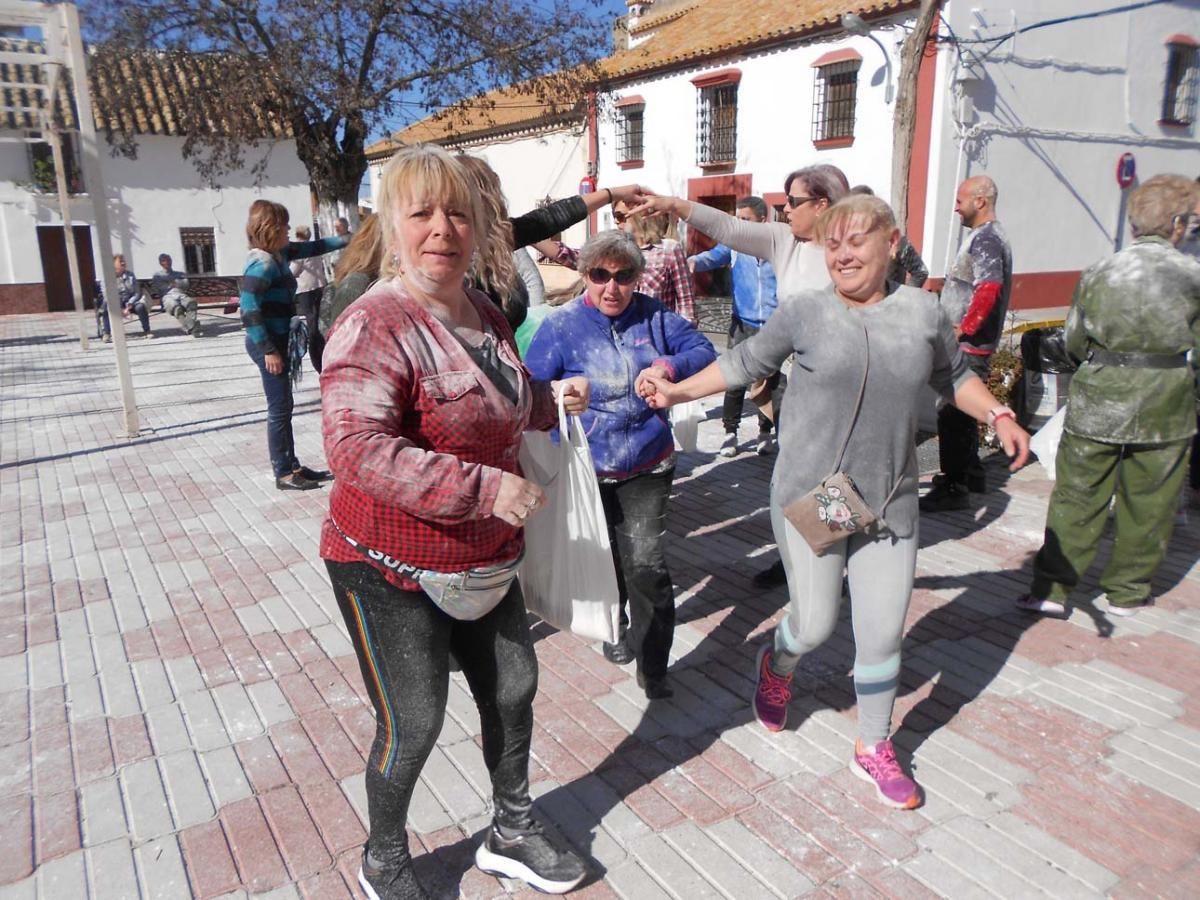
(708, 29)
(141, 92)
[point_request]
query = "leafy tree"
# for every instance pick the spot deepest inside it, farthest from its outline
(338, 72)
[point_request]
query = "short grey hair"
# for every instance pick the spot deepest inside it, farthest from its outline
(611, 245)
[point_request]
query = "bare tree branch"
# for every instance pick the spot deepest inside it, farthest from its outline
(336, 71)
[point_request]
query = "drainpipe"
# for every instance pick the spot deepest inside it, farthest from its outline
(593, 142)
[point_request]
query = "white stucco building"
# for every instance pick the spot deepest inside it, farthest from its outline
(537, 145)
(717, 99)
(1047, 108)
(157, 202)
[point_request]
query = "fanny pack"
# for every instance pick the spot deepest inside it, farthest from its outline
(465, 595)
(834, 510)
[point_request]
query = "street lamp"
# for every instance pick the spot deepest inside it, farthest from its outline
(854, 24)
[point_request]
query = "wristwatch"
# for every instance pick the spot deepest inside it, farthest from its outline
(999, 412)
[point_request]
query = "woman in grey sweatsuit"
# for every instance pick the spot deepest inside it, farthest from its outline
(901, 341)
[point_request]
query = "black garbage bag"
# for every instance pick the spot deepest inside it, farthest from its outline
(1045, 350)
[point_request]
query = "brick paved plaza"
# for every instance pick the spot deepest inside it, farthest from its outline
(181, 713)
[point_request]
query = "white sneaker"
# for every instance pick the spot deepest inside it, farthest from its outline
(765, 445)
(1127, 611)
(729, 446)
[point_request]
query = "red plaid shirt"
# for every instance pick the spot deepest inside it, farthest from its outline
(668, 280)
(418, 437)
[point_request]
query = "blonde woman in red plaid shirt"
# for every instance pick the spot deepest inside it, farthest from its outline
(424, 400)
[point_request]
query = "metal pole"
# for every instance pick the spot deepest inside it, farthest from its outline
(90, 163)
(64, 204)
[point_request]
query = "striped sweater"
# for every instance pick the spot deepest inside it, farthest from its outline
(268, 294)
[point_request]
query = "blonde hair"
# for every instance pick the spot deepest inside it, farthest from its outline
(426, 172)
(649, 231)
(494, 265)
(1155, 206)
(264, 223)
(364, 253)
(875, 212)
(303, 232)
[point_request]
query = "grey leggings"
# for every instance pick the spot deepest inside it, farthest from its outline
(881, 578)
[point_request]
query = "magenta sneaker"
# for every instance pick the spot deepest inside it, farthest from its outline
(771, 693)
(881, 769)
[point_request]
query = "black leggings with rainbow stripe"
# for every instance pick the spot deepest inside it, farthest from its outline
(404, 645)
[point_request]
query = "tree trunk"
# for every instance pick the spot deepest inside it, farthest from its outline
(905, 122)
(336, 172)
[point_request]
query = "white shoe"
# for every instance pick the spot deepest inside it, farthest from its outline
(765, 445)
(1125, 612)
(729, 447)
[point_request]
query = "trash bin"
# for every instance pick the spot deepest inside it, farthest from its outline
(1048, 368)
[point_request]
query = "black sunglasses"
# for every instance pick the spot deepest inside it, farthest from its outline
(794, 202)
(602, 276)
(619, 217)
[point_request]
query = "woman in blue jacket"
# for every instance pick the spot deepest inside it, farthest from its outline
(616, 337)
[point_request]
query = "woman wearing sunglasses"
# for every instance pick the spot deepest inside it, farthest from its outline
(616, 338)
(798, 263)
(865, 349)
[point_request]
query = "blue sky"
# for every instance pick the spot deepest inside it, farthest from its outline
(606, 11)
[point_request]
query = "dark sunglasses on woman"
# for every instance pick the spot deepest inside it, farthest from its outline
(793, 202)
(602, 276)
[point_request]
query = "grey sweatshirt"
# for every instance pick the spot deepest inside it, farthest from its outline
(799, 265)
(911, 344)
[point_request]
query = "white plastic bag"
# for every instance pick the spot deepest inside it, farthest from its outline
(567, 575)
(685, 424)
(1045, 441)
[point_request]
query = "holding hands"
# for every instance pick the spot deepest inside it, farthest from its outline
(629, 194)
(658, 389)
(648, 378)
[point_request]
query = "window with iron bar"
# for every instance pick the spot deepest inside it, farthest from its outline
(199, 251)
(41, 163)
(835, 93)
(1179, 95)
(630, 145)
(716, 124)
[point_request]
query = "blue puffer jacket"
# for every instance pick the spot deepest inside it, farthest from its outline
(626, 435)
(753, 282)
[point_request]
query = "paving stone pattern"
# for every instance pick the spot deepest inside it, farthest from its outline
(181, 713)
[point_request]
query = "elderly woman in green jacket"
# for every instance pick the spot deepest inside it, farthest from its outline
(1131, 409)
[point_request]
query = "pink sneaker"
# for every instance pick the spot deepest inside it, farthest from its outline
(881, 769)
(771, 693)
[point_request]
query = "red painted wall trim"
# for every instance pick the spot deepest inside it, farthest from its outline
(713, 186)
(631, 100)
(836, 56)
(1185, 40)
(721, 76)
(593, 152)
(1033, 290)
(918, 164)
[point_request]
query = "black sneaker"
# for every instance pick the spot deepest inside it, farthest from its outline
(295, 482)
(772, 576)
(656, 688)
(529, 856)
(619, 653)
(944, 496)
(384, 883)
(314, 474)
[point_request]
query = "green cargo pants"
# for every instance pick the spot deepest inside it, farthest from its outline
(1146, 479)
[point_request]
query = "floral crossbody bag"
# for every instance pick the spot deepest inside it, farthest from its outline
(834, 510)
